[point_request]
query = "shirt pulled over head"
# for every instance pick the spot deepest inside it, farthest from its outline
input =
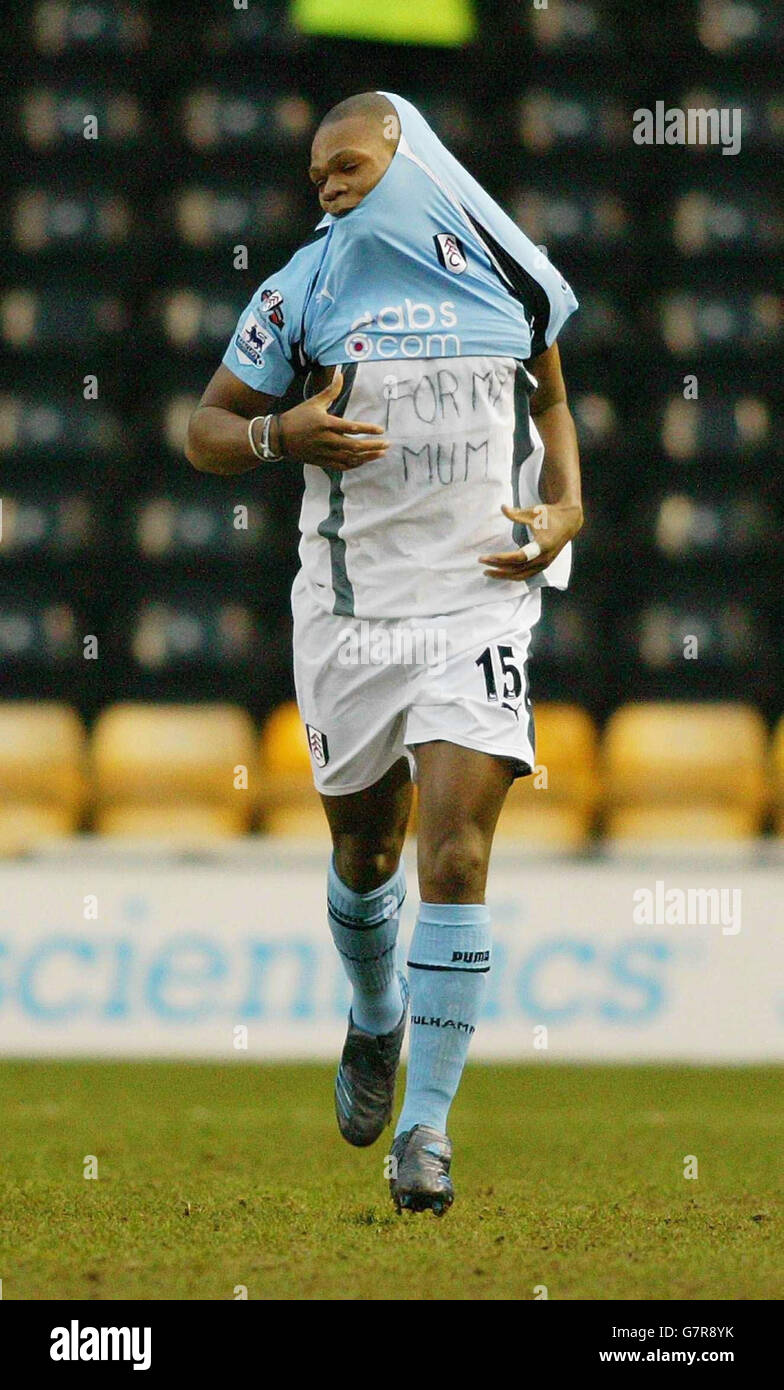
(427, 265)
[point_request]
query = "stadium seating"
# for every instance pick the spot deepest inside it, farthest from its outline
(42, 773)
(553, 810)
(676, 772)
(120, 260)
(105, 29)
(181, 774)
(662, 773)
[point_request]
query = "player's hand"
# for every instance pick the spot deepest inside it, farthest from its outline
(311, 434)
(553, 526)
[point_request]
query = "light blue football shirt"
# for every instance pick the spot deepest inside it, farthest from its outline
(426, 266)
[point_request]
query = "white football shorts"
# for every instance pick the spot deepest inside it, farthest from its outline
(370, 689)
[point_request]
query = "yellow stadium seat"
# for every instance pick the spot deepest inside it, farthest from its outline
(288, 801)
(777, 775)
(42, 773)
(552, 811)
(175, 773)
(688, 773)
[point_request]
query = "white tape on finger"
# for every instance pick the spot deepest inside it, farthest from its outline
(532, 550)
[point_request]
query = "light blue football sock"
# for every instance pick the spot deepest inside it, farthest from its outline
(448, 964)
(364, 929)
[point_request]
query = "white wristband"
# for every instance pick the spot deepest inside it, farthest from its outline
(532, 550)
(251, 441)
(264, 454)
(266, 451)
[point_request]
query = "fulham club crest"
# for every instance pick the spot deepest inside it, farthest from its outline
(271, 301)
(450, 252)
(318, 745)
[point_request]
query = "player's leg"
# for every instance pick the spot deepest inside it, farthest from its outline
(352, 713)
(354, 717)
(365, 891)
(471, 728)
(366, 888)
(461, 793)
(368, 829)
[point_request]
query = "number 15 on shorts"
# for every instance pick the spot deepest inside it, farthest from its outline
(502, 676)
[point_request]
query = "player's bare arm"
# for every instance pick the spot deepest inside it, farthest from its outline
(560, 518)
(349, 157)
(218, 429)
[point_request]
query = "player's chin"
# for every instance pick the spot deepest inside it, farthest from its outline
(343, 209)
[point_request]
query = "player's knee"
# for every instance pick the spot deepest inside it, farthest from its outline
(364, 865)
(456, 869)
(384, 860)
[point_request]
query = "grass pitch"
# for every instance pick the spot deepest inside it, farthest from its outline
(212, 1177)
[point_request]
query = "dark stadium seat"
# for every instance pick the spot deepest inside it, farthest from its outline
(192, 637)
(218, 120)
(569, 650)
(36, 427)
(190, 320)
(553, 121)
(595, 219)
(715, 426)
(92, 124)
(42, 644)
(748, 30)
(599, 423)
(704, 323)
(687, 643)
(606, 324)
(574, 27)
(706, 221)
(761, 114)
(45, 222)
(456, 123)
(104, 30)
(205, 218)
(42, 519)
(36, 319)
(242, 32)
(695, 527)
(201, 632)
(203, 525)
